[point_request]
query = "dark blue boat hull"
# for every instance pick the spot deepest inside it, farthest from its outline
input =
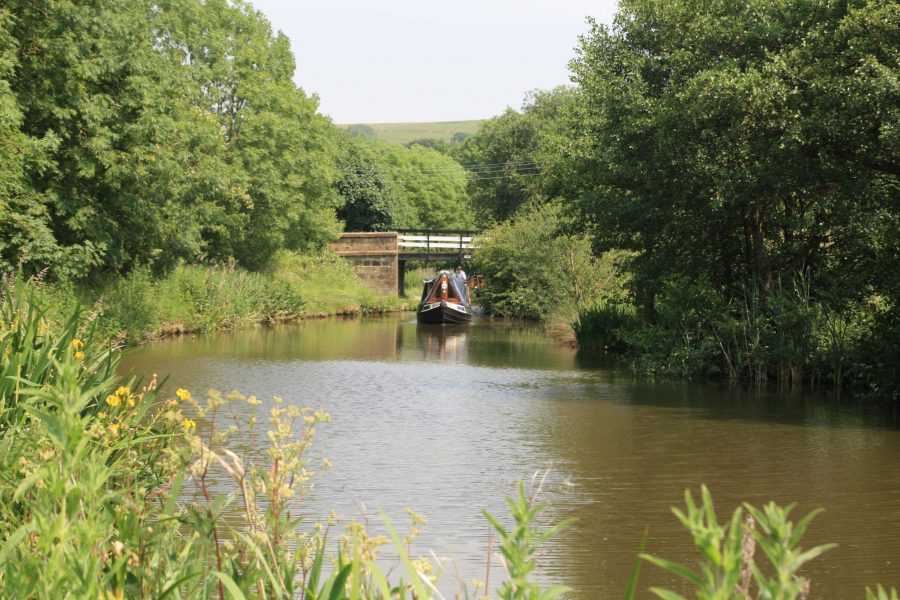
(444, 312)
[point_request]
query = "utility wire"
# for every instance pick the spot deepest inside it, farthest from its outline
(476, 169)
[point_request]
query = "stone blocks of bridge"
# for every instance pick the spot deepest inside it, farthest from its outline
(373, 256)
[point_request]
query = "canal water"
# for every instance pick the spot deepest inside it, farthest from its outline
(447, 420)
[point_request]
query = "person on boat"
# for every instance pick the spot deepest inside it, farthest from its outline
(460, 273)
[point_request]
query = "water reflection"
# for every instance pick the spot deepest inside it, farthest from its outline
(443, 342)
(445, 420)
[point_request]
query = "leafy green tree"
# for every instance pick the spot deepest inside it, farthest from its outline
(535, 269)
(279, 152)
(431, 187)
(363, 131)
(751, 148)
(370, 200)
(507, 153)
(25, 234)
(149, 132)
(433, 143)
(742, 141)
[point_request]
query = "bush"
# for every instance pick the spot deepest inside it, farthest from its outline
(533, 269)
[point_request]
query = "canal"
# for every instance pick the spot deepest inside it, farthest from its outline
(447, 420)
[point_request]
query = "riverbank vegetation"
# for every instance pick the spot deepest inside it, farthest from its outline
(141, 306)
(743, 159)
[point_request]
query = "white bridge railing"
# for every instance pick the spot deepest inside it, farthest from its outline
(438, 240)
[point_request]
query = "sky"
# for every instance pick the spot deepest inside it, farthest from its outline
(384, 61)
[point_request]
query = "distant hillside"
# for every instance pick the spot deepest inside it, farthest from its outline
(403, 133)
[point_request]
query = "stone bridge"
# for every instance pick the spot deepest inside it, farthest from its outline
(379, 257)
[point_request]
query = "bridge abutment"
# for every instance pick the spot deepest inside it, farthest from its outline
(373, 256)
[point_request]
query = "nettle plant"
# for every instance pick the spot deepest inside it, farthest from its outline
(728, 568)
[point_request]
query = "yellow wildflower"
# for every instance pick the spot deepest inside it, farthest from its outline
(76, 344)
(122, 391)
(114, 428)
(113, 400)
(79, 355)
(188, 424)
(183, 394)
(102, 415)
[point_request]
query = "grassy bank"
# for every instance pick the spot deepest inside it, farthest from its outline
(196, 299)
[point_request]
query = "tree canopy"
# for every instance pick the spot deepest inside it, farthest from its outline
(147, 132)
(388, 186)
(742, 141)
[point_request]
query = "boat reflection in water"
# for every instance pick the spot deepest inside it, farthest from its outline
(444, 343)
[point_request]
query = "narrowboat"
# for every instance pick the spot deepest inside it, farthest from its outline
(445, 299)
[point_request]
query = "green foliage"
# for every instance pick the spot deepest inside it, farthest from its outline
(507, 155)
(386, 186)
(433, 143)
(725, 143)
(712, 141)
(519, 546)
(29, 356)
(193, 298)
(143, 133)
(882, 594)
(363, 131)
(329, 285)
(605, 324)
(728, 567)
(94, 479)
(533, 269)
(697, 330)
(371, 200)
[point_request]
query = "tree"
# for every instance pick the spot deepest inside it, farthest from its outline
(363, 131)
(280, 152)
(370, 200)
(746, 142)
(747, 153)
(147, 132)
(429, 187)
(507, 154)
(25, 234)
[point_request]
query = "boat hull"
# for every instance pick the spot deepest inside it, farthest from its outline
(444, 312)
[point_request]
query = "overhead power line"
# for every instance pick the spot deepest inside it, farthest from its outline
(478, 170)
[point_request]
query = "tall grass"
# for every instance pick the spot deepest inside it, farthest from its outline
(788, 337)
(329, 285)
(197, 298)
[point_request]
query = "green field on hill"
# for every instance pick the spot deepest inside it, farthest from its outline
(403, 133)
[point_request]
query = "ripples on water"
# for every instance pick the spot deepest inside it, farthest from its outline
(446, 420)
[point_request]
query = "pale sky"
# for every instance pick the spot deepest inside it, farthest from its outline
(377, 61)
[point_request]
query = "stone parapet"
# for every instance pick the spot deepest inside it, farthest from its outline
(381, 241)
